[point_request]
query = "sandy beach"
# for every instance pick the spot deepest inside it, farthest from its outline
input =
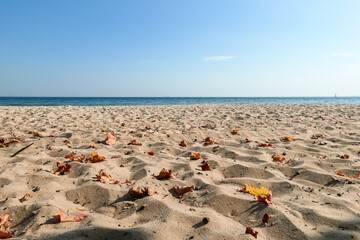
(307, 155)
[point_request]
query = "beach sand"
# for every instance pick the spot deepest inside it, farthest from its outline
(309, 200)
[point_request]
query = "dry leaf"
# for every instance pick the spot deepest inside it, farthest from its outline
(36, 134)
(262, 194)
(94, 158)
(25, 197)
(110, 139)
(164, 174)
(151, 153)
(195, 156)
(139, 192)
(235, 132)
(264, 144)
(134, 142)
(103, 177)
(70, 217)
(278, 158)
(340, 174)
(345, 156)
(251, 231)
(317, 136)
(71, 156)
(183, 143)
(208, 141)
(205, 166)
(4, 225)
(182, 190)
(287, 139)
(62, 168)
(266, 218)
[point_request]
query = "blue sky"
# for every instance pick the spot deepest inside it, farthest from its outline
(179, 48)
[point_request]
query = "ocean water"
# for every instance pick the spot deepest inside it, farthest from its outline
(130, 101)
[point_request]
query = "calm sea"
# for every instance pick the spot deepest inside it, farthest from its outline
(127, 101)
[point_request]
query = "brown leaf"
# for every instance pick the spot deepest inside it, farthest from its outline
(164, 174)
(62, 168)
(266, 218)
(195, 156)
(182, 190)
(25, 197)
(139, 192)
(183, 143)
(36, 134)
(135, 142)
(251, 231)
(205, 166)
(71, 156)
(71, 217)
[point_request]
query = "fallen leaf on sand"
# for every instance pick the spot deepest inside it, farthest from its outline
(183, 143)
(262, 194)
(195, 156)
(317, 136)
(341, 174)
(151, 153)
(95, 158)
(103, 177)
(345, 156)
(147, 127)
(266, 218)
(4, 142)
(182, 190)
(251, 231)
(278, 158)
(134, 142)
(4, 224)
(36, 134)
(164, 174)
(247, 140)
(139, 192)
(71, 156)
(70, 217)
(235, 132)
(25, 197)
(110, 139)
(209, 141)
(264, 144)
(320, 117)
(205, 166)
(287, 139)
(62, 168)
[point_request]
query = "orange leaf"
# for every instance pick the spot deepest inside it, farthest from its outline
(287, 139)
(341, 174)
(278, 158)
(71, 156)
(25, 197)
(195, 156)
(205, 166)
(182, 190)
(139, 192)
(164, 174)
(36, 134)
(62, 168)
(208, 141)
(95, 158)
(72, 217)
(262, 194)
(251, 231)
(235, 132)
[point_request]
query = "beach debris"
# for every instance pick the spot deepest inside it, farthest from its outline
(151, 153)
(22, 149)
(103, 177)
(320, 117)
(206, 220)
(147, 127)
(262, 194)
(341, 174)
(209, 141)
(234, 132)
(5, 142)
(129, 182)
(36, 134)
(94, 158)
(278, 158)
(110, 139)
(195, 156)
(62, 168)
(264, 144)
(247, 140)
(70, 217)
(205, 166)
(345, 156)
(4, 225)
(317, 136)
(251, 231)
(164, 174)
(182, 190)
(135, 142)
(139, 192)
(71, 156)
(25, 197)
(266, 218)
(287, 139)
(183, 143)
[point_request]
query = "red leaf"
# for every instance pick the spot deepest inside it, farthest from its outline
(266, 218)
(251, 231)
(205, 166)
(151, 153)
(62, 168)
(164, 174)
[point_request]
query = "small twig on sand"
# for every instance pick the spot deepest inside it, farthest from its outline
(21, 150)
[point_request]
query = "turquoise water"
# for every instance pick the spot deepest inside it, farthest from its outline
(129, 101)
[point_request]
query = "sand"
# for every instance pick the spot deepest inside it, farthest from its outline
(310, 201)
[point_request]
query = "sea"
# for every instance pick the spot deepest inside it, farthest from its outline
(131, 101)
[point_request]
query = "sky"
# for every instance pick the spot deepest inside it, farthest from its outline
(187, 48)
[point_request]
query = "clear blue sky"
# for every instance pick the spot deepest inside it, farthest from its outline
(179, 48)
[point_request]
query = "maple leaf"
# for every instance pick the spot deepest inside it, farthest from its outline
(205, 166)
(70, 217)
(182, 190)
(262, 194)
(164, 174)
(278, 158)
(71, 156)
(139, 192)
(251, 231)
(95, 158)
(110, 139)
(103, 177)
(183, 143)
(62, 168)
(195, 156)
(287, 139)
(25, 197)
(134, 142)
